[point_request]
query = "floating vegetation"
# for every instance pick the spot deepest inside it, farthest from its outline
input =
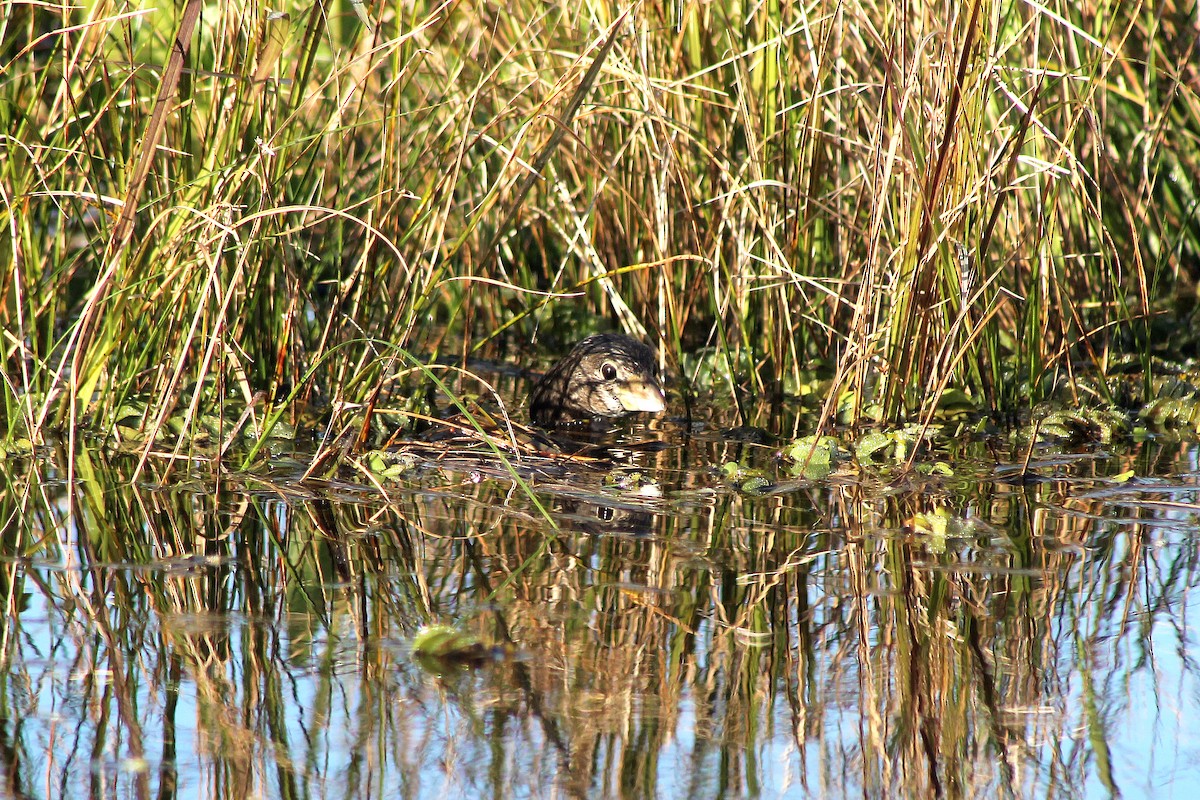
(1175, 404)
(1078, 426)
(389, 464)
(444, 645)
(939, 526)
(636, 481)
(1174, 413)
(893, 446)
(745, 480)
(813, 457)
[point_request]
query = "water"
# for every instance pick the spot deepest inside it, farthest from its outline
(674, 637)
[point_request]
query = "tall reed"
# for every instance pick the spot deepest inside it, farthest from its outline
(236, 204)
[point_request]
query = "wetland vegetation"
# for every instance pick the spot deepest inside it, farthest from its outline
(919, 518)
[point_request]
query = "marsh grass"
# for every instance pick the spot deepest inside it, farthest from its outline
(199, 206)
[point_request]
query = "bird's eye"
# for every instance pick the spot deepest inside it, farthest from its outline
(609, 372)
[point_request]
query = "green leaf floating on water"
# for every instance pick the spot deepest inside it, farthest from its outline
(941, 524)
(1083, 425)
(745, 480)
(893, 446)
(871, 443)
(389, 464)
(813, 457)
(1173, 412)
(447, 643)
(956, 401)
(629, 480)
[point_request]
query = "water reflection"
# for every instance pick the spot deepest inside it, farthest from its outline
(667, 636)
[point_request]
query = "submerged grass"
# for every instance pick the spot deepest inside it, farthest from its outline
(204, 205)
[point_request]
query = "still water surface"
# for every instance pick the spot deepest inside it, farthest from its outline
(674, 637)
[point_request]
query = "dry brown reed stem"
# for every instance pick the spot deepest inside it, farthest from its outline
(80, 341)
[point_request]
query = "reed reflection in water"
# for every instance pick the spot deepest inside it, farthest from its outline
(807, 642)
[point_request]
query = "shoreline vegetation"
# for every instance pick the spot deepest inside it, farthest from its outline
(988, 207)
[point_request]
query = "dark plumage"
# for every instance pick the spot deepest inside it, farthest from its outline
(605, 375)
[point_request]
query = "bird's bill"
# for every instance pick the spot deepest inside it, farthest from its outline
(641, 396)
